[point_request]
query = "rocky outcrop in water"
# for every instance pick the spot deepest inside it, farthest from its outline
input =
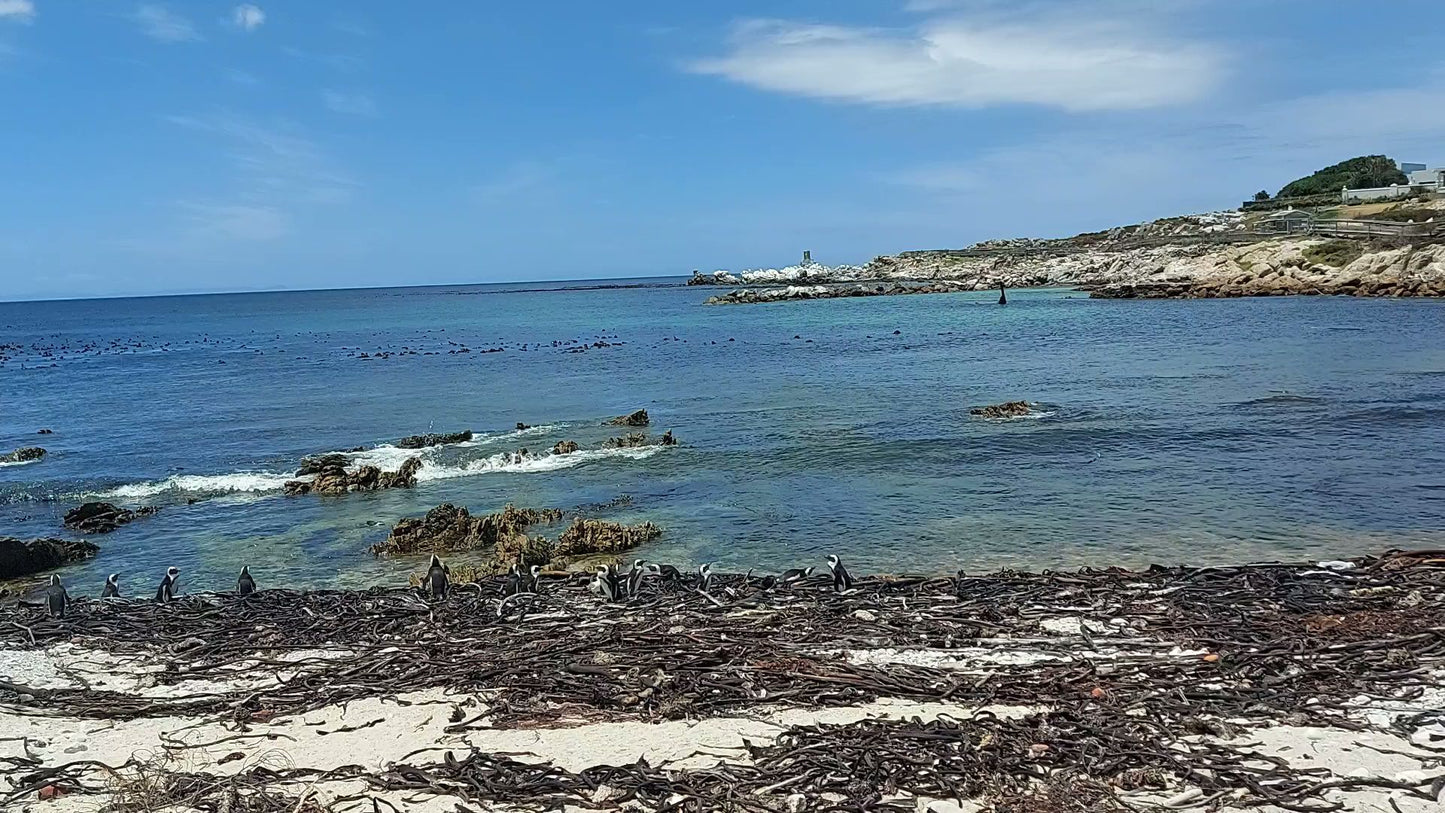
(103, 517)
(668, 439)
(448, 529)
(565, 447)
(638, 418)
(19, 558)
(628, 441)
(316, 465)
(23, 455)
(424, 441)
(1008, 409)
(332, 477)
(587, 537)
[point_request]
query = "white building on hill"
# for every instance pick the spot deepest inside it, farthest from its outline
(1420, 180)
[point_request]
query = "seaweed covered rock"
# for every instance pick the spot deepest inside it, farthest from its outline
(449, 528)
(628, 441)
(1009, 409)
(332, 477)
(423, 441)
(19, 558)
(565, 447)
(589, 536)
(23, 455)
(638, 418)
(102, 517)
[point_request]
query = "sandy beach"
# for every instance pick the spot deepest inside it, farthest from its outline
(1273, 687)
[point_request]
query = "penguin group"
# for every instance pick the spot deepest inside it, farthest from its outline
(608, 582)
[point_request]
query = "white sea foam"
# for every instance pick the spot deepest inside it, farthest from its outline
(18, 462)
(234, 483)
(387, 458)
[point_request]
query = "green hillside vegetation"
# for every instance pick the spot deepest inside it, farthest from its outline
(1356, 173)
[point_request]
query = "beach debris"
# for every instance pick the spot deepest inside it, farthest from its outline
(19, 558)
(23, 455)
(1008, 409)
(334, 478)
(424, 441)
(103, 517)
(638, 418)
(448, 529)
(672, 654)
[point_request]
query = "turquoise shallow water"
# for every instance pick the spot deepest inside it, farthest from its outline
(1172, 431)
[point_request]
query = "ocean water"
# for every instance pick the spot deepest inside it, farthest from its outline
(1188, 431)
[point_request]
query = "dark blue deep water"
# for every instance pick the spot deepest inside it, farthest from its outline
(1190, 431)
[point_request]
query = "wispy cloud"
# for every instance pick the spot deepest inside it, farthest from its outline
(241, 77)
(247, 17)
(17, 11)
(523, 177)
(164, 25)
(1057, 58)
(350, 104)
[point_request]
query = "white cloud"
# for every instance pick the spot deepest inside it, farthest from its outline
(1068, 62)
(351, 104)
(247, 17)
(160, 23)
(21, 11)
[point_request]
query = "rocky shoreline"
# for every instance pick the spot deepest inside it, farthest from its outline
(1203, 256)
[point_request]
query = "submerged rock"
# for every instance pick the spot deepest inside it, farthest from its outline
(638, 418)
(668, 439)
(521, 426)
(565, 447)
(1008, 409)
(423, 441)
(102, 517)
(23, 455)
(45, 432)
(628, 441)
(19, 558)
(449, 528)
(332, 477)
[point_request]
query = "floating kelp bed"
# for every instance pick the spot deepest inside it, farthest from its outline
(1153, 668)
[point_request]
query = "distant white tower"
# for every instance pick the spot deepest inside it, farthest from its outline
(807, 257)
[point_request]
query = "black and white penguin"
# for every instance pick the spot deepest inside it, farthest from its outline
(795, 575)
(513, 585)
(245, 585)
(635, 576)
(56, 598)
(436, 578)
(616, 585)
(602, 585)
(669, 573)
(842, 579)
(112, 586)
(169, 584)
(534, 579)
(704, 576)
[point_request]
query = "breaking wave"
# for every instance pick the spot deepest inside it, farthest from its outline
(9, 463)
(388, 458)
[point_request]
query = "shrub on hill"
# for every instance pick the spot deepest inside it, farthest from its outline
(1357, 173)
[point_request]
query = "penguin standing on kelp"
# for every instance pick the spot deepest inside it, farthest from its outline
(436, 578)
(112, 586)
(704, 576)
(534, 579)
(635, 576)
(166, 592)
(603, 585)
(668, 573)
(513, 585)
(56, 598)
(842, 579)
(245, 585)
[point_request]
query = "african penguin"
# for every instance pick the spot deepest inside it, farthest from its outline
(669, 573)
(245, 585)
(634, 577)
(513, 585)
(842, 579)
(112, 586)
(55, 597)
(436, 578)
(795, 575)
(534, 581)
(601, 585)
(167, 590)
(704, 576)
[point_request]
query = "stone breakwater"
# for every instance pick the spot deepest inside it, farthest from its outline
(1271, 267)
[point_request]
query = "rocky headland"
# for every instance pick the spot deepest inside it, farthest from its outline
(1222, 254)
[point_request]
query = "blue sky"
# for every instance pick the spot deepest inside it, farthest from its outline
(199, 146)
